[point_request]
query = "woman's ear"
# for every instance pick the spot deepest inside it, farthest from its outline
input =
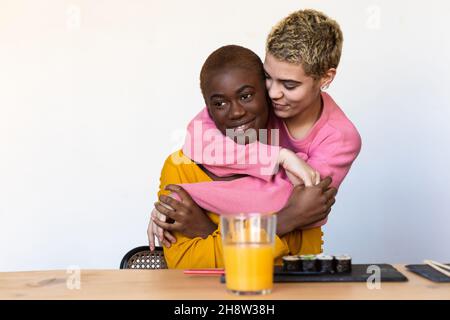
(327, 79)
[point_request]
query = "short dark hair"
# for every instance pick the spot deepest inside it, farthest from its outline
(227, 57)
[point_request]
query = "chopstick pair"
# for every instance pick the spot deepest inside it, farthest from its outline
(205, 271)
(442, 268)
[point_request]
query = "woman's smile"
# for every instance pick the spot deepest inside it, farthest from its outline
(280, 107)
(250, 124)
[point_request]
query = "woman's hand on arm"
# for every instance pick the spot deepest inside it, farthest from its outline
(297, 170)
(188, 218)
(306, 206)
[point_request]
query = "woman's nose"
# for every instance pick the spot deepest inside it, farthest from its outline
(236, 111)
(274, 91)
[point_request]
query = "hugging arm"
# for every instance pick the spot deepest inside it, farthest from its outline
(256, 159)
(198, 250)
(306, 206)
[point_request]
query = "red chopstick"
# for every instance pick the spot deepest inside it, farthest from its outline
(205, 271)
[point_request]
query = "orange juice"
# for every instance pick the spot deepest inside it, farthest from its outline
(249, 267)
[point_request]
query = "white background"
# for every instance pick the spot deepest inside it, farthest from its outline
(95, 94)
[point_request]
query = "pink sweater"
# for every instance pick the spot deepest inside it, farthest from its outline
(330, 147)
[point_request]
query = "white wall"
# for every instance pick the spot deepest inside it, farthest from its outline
(93, 94)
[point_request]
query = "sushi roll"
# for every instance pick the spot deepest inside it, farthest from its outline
(308, 263)
(291, 263)
(325, 263)
(343, 263)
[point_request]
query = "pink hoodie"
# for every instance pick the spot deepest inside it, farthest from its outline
(330, 147)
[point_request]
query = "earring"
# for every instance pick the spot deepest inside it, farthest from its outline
(325, 86)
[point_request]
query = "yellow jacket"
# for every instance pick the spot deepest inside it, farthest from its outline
(207, 253)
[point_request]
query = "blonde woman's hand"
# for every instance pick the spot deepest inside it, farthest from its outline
(153, 230)
(297, 170)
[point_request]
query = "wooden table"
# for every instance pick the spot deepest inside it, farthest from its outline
(173, 284)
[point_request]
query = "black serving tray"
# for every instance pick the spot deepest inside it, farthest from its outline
(428, 272)
(358, 274)
(280, 271)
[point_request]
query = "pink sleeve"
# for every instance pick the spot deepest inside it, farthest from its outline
(230, 197)
(219, 154)
(333, 158)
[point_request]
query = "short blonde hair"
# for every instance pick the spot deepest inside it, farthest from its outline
(307, 37)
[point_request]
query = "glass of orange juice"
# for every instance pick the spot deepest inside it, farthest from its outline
(248, 249)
